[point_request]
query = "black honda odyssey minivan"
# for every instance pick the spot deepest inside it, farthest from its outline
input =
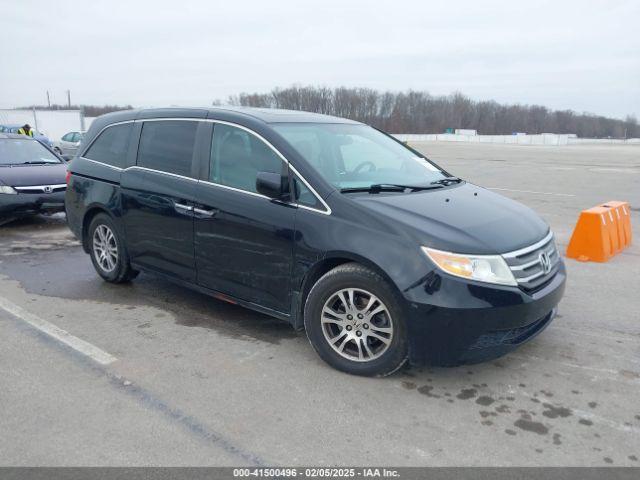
(329, 224)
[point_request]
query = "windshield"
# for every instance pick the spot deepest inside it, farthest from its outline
(357, 156)
(20, 152)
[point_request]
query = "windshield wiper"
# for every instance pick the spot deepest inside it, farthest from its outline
(447, 181)
(389, 187)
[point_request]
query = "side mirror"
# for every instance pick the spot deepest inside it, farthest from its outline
(270, 184)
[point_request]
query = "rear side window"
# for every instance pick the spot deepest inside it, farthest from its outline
(237, 156)
(168, 146)
(111, 146)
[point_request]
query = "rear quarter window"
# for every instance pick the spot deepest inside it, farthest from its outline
(111, 146)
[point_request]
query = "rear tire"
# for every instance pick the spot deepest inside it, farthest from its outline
(108, 251)
(354, 321)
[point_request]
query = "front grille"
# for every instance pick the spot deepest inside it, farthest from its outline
(527, 264)
(40, 189)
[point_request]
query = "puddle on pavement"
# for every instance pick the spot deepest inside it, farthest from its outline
(67, 272)
(545, 417)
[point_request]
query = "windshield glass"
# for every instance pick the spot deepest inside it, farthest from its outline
(18, 152)
(357, 156)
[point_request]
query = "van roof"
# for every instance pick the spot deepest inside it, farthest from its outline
(267, 115)
(277, 115)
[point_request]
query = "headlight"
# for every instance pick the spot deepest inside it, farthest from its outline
(7, 190)
(483, 268)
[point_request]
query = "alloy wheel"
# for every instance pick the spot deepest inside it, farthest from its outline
(357, 324)
(105, 248)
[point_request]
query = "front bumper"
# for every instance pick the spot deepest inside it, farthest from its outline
(31, 203)
(463, 322)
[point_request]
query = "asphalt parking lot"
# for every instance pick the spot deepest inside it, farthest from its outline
(194, 381)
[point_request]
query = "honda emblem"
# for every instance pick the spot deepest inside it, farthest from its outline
(545, 262)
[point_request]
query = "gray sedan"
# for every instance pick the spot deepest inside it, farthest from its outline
(68, 145)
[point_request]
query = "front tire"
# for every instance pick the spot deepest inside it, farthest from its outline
(108, 252)
(354, 321)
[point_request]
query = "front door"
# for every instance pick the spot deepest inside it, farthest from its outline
(243, 240)
(158, 195)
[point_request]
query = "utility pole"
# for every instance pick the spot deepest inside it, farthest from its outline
(35, 118)
(82, 126)
(48, 99)
(69, 99)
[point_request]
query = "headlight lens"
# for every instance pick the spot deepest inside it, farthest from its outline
(8, 190)
(483, 268)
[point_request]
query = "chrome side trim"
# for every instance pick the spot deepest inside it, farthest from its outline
(113, 167)
(146, 169)
(181, 206)
(530, 248)
(203, 212)
(311, 189)
(311, 209)
(234, 189)
(34, 187)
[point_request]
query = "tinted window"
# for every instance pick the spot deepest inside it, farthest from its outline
(68, 137)
(304, 196)
(111, 146)
(168, 146)
(237, 156)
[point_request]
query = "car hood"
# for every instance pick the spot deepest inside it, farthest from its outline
(464, 218)
(25, 175)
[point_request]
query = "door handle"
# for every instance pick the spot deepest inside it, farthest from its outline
(205, 213)
(183, 208)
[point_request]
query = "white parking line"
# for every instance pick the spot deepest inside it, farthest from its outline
(611, 374)
(59, 334)
(531, 191)
(599, 336)
(614, 170)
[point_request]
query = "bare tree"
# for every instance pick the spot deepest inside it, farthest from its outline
(418, 112)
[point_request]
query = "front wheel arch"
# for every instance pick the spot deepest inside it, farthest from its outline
(330, 261)
(356, 276)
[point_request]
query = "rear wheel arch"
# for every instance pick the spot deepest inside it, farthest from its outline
(86, 221)
(107, 249)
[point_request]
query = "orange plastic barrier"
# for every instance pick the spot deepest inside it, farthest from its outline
(601, 232)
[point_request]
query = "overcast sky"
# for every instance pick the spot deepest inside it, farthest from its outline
(579, 55)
